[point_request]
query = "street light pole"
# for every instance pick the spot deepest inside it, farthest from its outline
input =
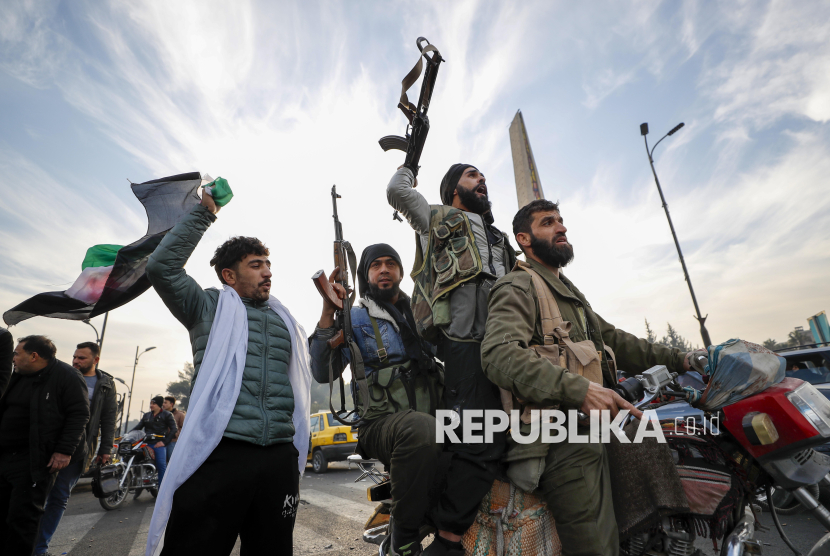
(132, 381)
(99, 339)
(701, 319)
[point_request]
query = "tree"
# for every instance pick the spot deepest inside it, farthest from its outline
(799, 337)
(180, 389)
(673, 339)
(771, 344)
(650, 335)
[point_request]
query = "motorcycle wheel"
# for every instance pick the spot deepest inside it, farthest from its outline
(785, 502)
(319, 462)
(138, 492)
(115, 499)
(154, 491)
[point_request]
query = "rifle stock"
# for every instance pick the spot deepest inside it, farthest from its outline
(326, 291)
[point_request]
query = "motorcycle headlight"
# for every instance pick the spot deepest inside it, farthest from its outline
(813, 405)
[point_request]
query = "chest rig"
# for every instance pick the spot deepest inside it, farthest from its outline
(401, 386)
(557, 346)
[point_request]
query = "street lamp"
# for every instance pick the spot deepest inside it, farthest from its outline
(135, 364)
(122, 398)
(99, 339)
(701, 319)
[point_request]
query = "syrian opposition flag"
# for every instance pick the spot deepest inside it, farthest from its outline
(113, 275)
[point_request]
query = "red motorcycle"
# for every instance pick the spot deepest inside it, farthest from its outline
(765, 441)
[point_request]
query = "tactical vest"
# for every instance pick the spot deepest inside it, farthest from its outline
(400, 387)
(452, 258)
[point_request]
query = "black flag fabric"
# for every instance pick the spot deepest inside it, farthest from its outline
(112, 275)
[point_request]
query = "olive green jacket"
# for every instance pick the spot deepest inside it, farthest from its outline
(265, 406)
(513, 324)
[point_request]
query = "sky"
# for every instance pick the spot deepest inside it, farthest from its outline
(285, 99)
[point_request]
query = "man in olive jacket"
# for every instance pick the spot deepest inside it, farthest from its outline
(43, 414)
(575, 481)
(248, 486)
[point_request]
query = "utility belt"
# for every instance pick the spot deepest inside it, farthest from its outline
(400, 387)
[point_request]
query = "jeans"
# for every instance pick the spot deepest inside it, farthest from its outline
(56, 503)
(160, 462)
(170, 447)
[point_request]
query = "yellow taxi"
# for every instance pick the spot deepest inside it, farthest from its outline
(330, 441)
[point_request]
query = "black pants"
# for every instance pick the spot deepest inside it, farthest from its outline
(21, 503)
(474, 467)
(405, 443)
(240, 490)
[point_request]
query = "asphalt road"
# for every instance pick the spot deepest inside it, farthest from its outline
(332, 510)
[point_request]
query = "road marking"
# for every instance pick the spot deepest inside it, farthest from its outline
(340, 506)
(140, 542)
(71, 529)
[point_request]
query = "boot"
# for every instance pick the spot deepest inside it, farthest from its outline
(444, 547)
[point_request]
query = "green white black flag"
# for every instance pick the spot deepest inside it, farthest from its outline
(113, 275)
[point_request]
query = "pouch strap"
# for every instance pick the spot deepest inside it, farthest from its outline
(382, 355)
(548, 308)
(553, 325)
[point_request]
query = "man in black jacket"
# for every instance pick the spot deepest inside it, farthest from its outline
(102, 409)
(43, 415)
(159, 421)
(6, 351)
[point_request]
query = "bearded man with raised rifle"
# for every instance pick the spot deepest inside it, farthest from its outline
(459, 256)
(545, 344)
(404, 384)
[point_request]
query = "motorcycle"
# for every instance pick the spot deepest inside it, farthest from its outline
(767, 439)
(132, 470)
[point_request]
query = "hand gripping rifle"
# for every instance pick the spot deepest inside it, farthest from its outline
(344, 259)
(418, 127)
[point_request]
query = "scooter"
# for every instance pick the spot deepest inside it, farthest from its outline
(768, 438)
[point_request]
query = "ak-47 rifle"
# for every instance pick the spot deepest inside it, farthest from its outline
(344, 260)
(418, 127)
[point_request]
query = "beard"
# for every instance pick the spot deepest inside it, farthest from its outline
(470, 199)
(385, 295)
(83, 371)
(553, 255)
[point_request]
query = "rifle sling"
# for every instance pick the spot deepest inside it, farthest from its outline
(412, 77)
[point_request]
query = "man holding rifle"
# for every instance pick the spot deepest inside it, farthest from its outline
(404, 385)
(459, 256)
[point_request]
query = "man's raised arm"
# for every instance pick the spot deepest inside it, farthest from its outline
(165, 269)
(402, 196)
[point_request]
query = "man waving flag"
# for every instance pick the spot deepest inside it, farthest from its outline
(113, 275)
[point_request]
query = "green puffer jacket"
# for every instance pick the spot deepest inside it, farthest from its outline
(263, 411)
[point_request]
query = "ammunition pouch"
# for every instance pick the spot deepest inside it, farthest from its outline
(452, 258)
(527, 462)
(399, 387)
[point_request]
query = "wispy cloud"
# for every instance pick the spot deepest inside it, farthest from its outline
(286, 99)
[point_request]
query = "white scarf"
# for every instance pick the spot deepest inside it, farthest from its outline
(214, 397)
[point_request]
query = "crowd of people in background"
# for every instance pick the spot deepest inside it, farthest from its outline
(56, 421)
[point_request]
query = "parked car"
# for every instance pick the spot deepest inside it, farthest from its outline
(330, 441)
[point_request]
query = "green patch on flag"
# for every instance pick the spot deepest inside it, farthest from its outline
(100, 255)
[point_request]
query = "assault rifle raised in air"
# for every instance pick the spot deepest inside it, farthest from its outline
(344, 261)
(418, 128)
